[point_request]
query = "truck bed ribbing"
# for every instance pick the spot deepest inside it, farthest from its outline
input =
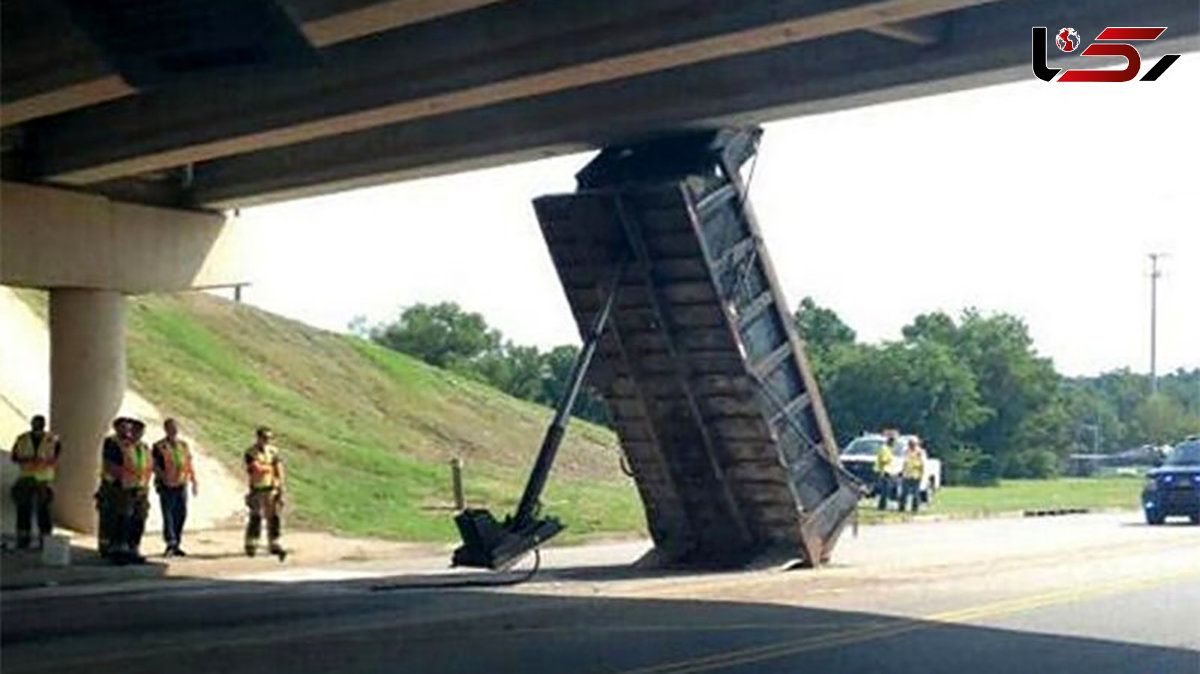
(708, 386)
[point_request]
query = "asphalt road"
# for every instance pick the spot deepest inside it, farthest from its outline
(1087, 594)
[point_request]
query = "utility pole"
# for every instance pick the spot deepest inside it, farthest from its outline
(1155, 274)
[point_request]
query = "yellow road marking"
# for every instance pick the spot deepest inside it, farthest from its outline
(859, 634)
(1064, 596)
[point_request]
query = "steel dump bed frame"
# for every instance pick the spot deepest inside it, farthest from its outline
(710, 392)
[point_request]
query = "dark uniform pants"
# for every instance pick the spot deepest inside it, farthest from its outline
(263, 504)
(910, 488)
(132, 505)
(109, 518)
(884, 487)
(32, 496)
(174, 513)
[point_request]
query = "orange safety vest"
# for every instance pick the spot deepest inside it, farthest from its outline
(177, 462)
(260, 467)
(136, 466)
(37, 461)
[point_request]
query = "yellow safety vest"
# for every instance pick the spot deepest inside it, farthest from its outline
(914, 465)
(260, 467)
(177, 462)
(37, 461)
(883, 459)
(136, 466)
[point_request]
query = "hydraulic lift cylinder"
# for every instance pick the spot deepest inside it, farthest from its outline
(486, 542)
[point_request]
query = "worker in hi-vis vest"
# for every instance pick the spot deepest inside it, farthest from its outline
(36, 454)
(264, 472)
(884, 456)
(911, 471)
(126, 468)
(108, 491)
(173, 474)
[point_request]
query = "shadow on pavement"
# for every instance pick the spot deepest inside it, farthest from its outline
(23, 569)
(457, 578)
(233, 627)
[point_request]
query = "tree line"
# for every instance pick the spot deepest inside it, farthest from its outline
(447, 336)
(976, 389)
(973, 385)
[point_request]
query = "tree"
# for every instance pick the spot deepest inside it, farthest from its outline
(1161, 419)
(1184, 386)
(445, 336)
(919, 387)
(559, 362)
(936, 327)
(1120, 403)
(516, 370)
(823, 332)
(358, 326)
(820, 327)
(1010, 378)
(1096, 424)
(1041, 442)
(441, 334)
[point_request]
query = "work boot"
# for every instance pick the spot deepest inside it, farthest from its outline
(117, 554)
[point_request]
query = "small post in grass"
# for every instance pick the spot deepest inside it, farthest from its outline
(456, 483)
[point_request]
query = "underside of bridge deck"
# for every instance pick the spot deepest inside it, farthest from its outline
(231, 102)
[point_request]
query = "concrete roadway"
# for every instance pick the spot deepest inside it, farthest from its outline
(1090, 594)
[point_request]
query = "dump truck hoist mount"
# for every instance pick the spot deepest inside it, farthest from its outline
(716, 408)
(490, 544)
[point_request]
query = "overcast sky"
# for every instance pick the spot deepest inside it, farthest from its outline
(1040, 200)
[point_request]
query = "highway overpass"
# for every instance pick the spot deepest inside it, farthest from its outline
(128, 127)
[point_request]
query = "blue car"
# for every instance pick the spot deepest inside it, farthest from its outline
(1174, 488)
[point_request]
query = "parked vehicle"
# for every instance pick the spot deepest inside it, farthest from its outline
(858, 457)
(1174, 487)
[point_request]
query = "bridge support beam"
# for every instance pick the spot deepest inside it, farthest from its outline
(87, 385)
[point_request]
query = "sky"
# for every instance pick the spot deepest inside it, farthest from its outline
(1039, 200)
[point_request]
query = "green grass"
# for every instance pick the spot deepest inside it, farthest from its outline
(366, 433)
(1019, 495)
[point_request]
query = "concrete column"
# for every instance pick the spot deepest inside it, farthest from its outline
(87, 384)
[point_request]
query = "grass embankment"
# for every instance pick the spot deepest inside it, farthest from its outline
(1019, 495)
(366, 432)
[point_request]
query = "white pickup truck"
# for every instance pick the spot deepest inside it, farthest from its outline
(858, 458)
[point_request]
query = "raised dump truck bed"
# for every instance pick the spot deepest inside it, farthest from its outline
(707, 383)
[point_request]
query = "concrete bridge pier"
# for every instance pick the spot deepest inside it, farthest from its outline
(87, 384)
(90, 252)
